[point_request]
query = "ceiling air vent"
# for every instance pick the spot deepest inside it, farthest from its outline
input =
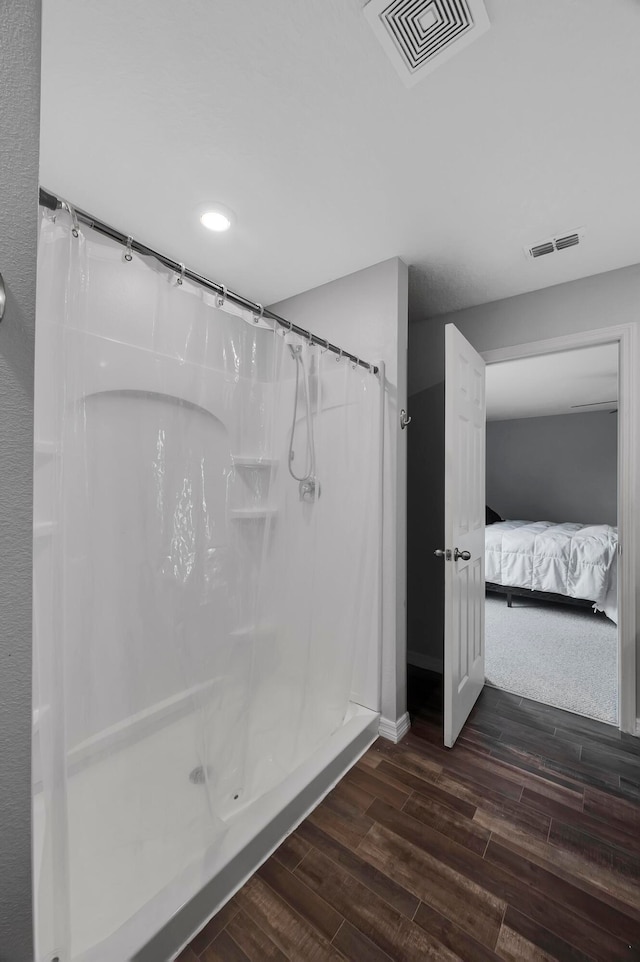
(557, 243)
(541, 249)
(569, 241)
(419, 35)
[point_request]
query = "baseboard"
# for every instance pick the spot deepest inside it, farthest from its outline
(428, 662)
(637, 731)
(394, 730)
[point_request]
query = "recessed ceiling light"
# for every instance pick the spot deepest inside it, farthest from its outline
(218, 218)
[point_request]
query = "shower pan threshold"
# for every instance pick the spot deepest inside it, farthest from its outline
(252, 835)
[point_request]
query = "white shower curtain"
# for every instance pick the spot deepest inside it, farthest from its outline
(195, 621)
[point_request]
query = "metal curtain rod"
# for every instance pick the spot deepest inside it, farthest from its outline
(52, 202)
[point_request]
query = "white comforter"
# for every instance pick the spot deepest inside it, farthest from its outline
(577, 560)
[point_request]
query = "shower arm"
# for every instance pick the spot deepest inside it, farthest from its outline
(53, 202)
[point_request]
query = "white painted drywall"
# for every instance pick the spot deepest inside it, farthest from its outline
(592, 303)
(290, 112)
(562, 468)
(567, 382)
(588, 304)
(366, 313)
(19, 112)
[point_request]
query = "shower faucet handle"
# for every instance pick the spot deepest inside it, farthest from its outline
(309, 489)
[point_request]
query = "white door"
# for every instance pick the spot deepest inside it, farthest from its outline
(464, 523)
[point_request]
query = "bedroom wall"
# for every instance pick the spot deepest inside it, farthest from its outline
(599, 301)
(558, 468)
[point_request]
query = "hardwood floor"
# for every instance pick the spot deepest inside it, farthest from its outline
(520, 843)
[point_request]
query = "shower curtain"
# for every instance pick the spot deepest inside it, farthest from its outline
(195, 620)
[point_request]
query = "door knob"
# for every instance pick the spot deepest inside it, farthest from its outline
(463, 555)
(443, 553)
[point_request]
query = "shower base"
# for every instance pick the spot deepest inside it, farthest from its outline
(144, 879)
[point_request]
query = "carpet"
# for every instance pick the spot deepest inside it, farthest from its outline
(562, 656)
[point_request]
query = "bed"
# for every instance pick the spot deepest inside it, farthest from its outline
(565, 561)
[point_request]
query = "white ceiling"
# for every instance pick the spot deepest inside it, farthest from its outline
(290, 113)
(532, 387)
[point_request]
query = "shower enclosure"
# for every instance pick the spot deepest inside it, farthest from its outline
(207, 531)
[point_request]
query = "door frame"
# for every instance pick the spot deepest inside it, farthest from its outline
(625, 336)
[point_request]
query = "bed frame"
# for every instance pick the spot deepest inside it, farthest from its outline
(512, 592)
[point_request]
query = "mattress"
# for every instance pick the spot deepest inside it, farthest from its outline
(576, 560)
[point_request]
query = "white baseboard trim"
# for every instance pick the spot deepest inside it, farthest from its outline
(637, 731)
(395, 730)
(429, 662)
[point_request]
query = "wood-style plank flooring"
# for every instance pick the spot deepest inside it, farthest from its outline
(521, 843)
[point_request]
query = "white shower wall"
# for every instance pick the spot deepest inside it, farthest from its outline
(193, 616)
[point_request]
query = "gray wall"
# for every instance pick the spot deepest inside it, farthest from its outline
(599, 301)
(366, 313)
(561, 468)
(19, 123)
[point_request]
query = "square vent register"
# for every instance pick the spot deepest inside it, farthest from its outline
(420, 35)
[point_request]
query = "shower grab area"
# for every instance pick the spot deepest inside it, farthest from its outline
(207, 590)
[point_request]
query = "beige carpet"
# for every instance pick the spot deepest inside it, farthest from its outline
(553, 653)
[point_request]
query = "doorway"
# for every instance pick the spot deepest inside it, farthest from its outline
(426, 651)
(551, 558)
(623, 337)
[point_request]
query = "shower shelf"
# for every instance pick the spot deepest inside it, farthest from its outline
(248, 514)
(44, 448)
(252, 631)
(253, 462)
(43, 528)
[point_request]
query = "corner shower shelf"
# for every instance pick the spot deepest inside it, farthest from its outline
(45, 449)
(43, 528)
(253, 462)
(252, 631)
(252, 514)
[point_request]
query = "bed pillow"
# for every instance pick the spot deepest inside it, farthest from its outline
(491, 516)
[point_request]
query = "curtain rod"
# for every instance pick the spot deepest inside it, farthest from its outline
(53, 202)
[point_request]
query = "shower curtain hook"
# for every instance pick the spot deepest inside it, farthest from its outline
(310, 336)
(180, 279)
(221, 298)
(258, 317)
(128, 256)
(75, 230)
(339, 357)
